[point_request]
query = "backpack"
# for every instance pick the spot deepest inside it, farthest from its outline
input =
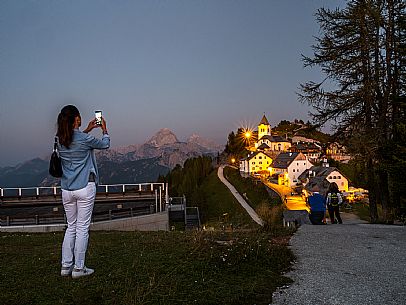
(334, 199)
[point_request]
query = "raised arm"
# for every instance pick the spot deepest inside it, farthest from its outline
(96, 143)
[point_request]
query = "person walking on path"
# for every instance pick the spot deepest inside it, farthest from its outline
(78, 183)
(333, 201)
(317, 205)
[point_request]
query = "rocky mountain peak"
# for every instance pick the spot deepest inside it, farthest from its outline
(194, 138)
(206, 143)
(163, 137)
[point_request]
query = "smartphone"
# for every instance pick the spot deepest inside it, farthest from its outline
(98, 115)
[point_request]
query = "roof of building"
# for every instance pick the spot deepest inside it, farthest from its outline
(283, 160)
(264, 121)
(263, 146)
(274, 138)
(321, 182)
(319, 171)
(305, 146)
(250, 156)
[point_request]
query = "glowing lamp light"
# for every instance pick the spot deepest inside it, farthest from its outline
(247, 134)
(232, 160)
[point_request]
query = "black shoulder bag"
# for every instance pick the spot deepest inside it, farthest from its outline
(55, 165)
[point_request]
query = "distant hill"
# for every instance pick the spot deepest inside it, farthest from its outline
(144, 170)
(130, 164)
(30, 173)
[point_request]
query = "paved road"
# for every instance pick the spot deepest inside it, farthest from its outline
(239, 198)
(350, 264)
(292, 202)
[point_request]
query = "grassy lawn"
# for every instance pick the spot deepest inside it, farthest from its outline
(362, 211)
(147, 268)
(219, 207)
(224, 266)
(254, 191)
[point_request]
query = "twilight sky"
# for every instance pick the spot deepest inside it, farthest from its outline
(202, 67)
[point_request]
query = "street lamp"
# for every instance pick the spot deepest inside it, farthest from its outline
(247, 134)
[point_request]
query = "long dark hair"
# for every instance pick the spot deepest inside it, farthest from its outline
(66, 120)
(333, 188)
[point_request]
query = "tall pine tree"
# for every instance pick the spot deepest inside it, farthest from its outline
(361, 53)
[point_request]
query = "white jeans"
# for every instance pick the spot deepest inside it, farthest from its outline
(78, 207)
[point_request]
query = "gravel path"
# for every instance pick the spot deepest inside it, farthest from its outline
(350, 264)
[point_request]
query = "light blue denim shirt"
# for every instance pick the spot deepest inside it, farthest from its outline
(79, 160)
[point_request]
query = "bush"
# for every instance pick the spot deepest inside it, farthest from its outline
(272, 217)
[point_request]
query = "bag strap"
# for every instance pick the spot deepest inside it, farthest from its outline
(56, 144)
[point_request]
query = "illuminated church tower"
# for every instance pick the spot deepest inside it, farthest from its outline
(264, 128)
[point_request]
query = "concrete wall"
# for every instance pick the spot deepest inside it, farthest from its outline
(151, 222)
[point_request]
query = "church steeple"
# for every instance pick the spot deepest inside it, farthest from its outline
(264, 128)
(264, 121)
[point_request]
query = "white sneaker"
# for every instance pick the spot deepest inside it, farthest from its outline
(76, 273)
(66, 271)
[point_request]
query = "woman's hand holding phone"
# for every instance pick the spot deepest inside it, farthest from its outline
(97, 122)
(92, 125)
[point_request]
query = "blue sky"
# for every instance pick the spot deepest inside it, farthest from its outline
(200, 67)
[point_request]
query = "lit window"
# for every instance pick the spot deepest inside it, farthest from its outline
(342, 183)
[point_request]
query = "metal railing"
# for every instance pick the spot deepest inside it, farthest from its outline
(61, 218)
(155, 193)
(38, 191)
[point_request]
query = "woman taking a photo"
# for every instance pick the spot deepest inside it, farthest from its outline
(78, 184)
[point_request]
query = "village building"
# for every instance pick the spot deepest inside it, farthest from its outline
(264, 148)
(337, 152)
(256, 163)
(310, 149)
(289, 166)
(330, 174)
(274, 142)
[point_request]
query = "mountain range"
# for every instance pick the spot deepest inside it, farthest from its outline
(129, 164)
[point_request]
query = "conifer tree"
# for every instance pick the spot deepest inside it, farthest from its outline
(361, 53)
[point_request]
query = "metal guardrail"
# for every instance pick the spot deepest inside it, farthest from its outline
(61, 219)
(38, 191)
(156, 193)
